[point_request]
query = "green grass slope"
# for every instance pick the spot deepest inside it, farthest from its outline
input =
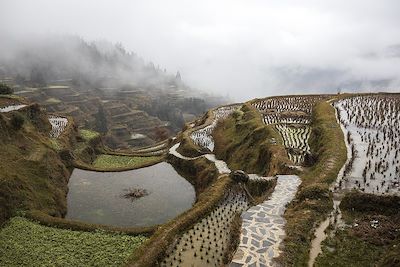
(246, 143)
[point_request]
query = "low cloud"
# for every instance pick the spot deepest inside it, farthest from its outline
(243, 49)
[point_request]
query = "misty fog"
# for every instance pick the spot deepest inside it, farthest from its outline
(243, 49)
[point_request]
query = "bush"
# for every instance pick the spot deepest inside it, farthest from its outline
(370, 203)
(314, 191)
(17, 120)
(5, 89)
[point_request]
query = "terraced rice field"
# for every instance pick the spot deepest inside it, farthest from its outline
(11, 108)
(295, 139)
(205, 244)
(288, 109)
(261, 234)
(203, 137)
(58, 125)
(291, 116)
(156, 150)
(371, 125)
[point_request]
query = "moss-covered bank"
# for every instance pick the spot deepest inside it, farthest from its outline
(246, 143)
(372, 237)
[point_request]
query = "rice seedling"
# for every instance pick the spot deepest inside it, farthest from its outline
(371, 125)
(203, 137)
(205, 244)
(58, 125)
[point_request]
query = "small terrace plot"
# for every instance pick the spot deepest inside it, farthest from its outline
(288, 109)
(11, 108)
(291, 116)
(203, 137)
(295, 138)
(371, 125)
(58, 125)
(205, 244)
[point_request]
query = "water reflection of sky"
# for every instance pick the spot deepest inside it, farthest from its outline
(96, 197)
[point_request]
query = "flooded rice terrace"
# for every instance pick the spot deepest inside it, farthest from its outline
(97, 197)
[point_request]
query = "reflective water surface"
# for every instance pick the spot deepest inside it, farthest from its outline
(96, 197)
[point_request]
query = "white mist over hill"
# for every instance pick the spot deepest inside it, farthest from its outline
(243, 49)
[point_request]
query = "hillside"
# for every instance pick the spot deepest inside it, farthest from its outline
(34, 168)
(299, 180)
(104, 88)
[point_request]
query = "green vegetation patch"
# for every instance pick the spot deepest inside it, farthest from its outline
(25, 243)
(246, 143)
(53, 100)
(88, 134)
(55, 145)
(346, 250)
(372, 236)
(114, 161)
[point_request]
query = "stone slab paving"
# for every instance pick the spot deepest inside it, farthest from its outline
(263, 226)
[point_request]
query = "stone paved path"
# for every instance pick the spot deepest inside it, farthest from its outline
(263, 226)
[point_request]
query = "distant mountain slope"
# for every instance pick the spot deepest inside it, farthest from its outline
(43, 60)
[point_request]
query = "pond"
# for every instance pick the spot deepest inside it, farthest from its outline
(97, 197)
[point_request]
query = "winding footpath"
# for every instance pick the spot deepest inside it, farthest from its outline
(263, 226)
(219, 164)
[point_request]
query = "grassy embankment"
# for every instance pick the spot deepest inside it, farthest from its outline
(313, 201)
(246, 143)
(361, 244)
(26, 243)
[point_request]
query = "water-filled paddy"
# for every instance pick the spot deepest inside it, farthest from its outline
(96, 197)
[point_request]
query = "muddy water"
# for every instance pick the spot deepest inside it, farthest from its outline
(316, 242)
(96, 197)
(335, 217)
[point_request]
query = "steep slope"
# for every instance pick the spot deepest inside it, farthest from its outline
(33, 167)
